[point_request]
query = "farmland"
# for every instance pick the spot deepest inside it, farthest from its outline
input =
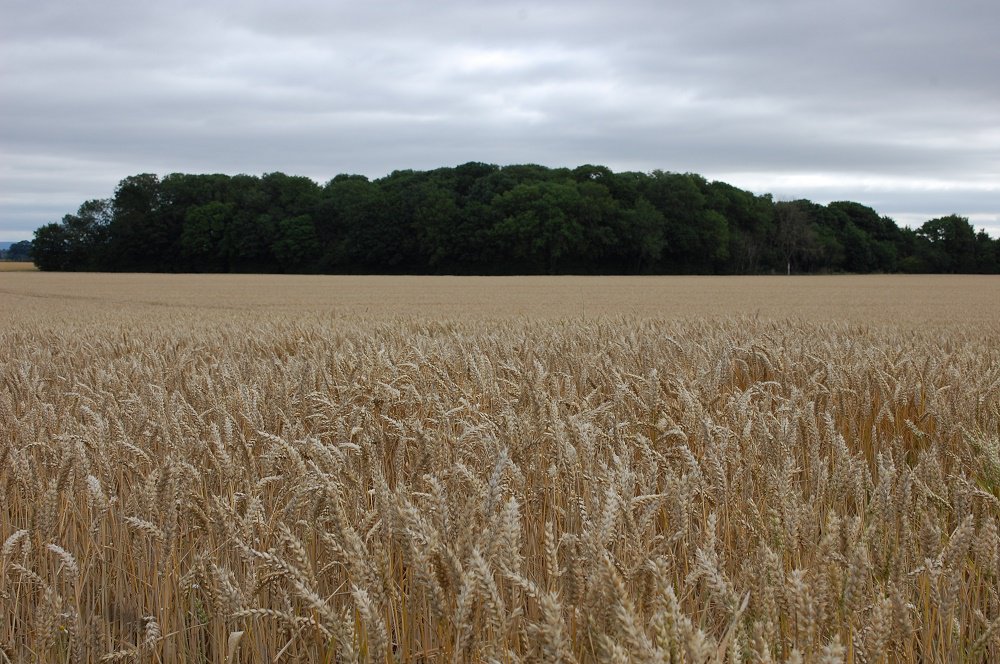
(420, 469)
(16, 266)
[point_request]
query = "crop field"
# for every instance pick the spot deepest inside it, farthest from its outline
(434, 469)
(16, 266)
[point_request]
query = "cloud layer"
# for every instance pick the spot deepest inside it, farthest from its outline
(895, 104)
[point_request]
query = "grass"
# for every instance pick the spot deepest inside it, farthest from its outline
(244, 469)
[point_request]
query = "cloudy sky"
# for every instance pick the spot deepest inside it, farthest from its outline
(892, 103)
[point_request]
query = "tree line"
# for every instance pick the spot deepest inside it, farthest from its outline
(18, 251)
(486, 219)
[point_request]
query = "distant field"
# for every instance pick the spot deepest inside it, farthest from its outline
(428, 469)
(17, 266)
(912, 300)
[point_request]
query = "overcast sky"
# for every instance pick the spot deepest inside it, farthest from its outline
(891, 103)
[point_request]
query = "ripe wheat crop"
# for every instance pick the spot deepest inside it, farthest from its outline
(16, 266)
(254, 470)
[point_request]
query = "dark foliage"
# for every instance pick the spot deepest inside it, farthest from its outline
(485, 219)
(19, 251)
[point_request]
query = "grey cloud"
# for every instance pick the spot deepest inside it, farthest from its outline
(904, 91)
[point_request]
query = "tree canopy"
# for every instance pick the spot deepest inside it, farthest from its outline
(17, 251)
(485, 219)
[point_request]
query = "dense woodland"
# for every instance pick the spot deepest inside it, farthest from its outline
(485, 219)
(17, 251)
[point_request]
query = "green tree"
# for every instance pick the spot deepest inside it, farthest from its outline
(602, 219)
(697, 238)
(19, 251)
(795, 233)
(644, 236)
(77, 242)
(481, 218)
(466, 177)
(749, 224)
(87, 234)
(858, 254)
(355, 229)
(434, 216)
(538, 227)
(296, 246)
(879, 240)
(987, 254)
(251, 232)
(948, 244)
(51, 247)
(290, 195)
(830, 253)
(138, 240)
(203, 236)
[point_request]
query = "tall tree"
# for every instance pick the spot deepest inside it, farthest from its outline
(296, 246)
(51, 248)
(203, 236)
(987, 253)
(352, 223)
(879, 238)
(19, 251)
(795, 233)
(644, 237)
(948, 244)
(78, 242)
(691, 235)
(87, 234)
(433, 216)
(537, 228)
(139, 241)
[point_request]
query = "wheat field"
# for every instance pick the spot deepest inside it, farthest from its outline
(398, 469)
(17, 266)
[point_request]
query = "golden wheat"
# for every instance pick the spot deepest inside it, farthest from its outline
(192, 477)
(17, 266)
